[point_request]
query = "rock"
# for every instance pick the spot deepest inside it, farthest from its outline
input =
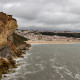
(11, 44)
(7, 26)
(5, 51)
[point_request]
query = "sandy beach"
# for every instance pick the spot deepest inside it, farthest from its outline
(50, 42)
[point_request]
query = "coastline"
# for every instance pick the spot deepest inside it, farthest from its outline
(12, 45)
(51, 42)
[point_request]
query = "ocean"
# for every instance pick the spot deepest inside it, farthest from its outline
(48, 62)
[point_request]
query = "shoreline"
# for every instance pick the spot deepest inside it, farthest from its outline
(51, 42)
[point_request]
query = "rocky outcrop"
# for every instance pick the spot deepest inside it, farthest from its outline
(7, 26)
(5, 51)
(11, 44)
(17, 44)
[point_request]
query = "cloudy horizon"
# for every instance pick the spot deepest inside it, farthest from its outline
(44, 14)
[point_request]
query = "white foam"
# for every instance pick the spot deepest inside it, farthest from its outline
(53, 60)
(65, 70)
(68, 72)
(12, 75)
(40, 66)
(77, 76)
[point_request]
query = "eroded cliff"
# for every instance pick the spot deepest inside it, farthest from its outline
(7, 26)
(11, 44)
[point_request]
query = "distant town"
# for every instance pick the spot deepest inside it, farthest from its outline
(49, 36)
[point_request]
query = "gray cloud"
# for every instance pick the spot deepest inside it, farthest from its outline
(44, 14)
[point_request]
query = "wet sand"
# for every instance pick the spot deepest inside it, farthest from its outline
(51, 42)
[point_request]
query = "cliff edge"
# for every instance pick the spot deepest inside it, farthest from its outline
(7, 26)
(11, 44)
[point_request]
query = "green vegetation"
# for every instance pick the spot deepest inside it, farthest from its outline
(74, 35)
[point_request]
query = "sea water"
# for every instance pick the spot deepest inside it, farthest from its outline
(49, 62)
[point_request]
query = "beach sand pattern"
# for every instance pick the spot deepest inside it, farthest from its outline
(51, 42)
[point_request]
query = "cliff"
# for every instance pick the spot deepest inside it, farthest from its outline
(7, 26)
(11, 44)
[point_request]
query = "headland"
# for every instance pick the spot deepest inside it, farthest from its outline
(11, 44)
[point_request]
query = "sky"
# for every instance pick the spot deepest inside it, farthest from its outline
(44, 14)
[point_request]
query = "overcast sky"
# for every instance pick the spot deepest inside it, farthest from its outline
(44, 14)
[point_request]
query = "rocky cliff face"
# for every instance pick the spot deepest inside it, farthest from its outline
(7, 26)
(11, 44)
